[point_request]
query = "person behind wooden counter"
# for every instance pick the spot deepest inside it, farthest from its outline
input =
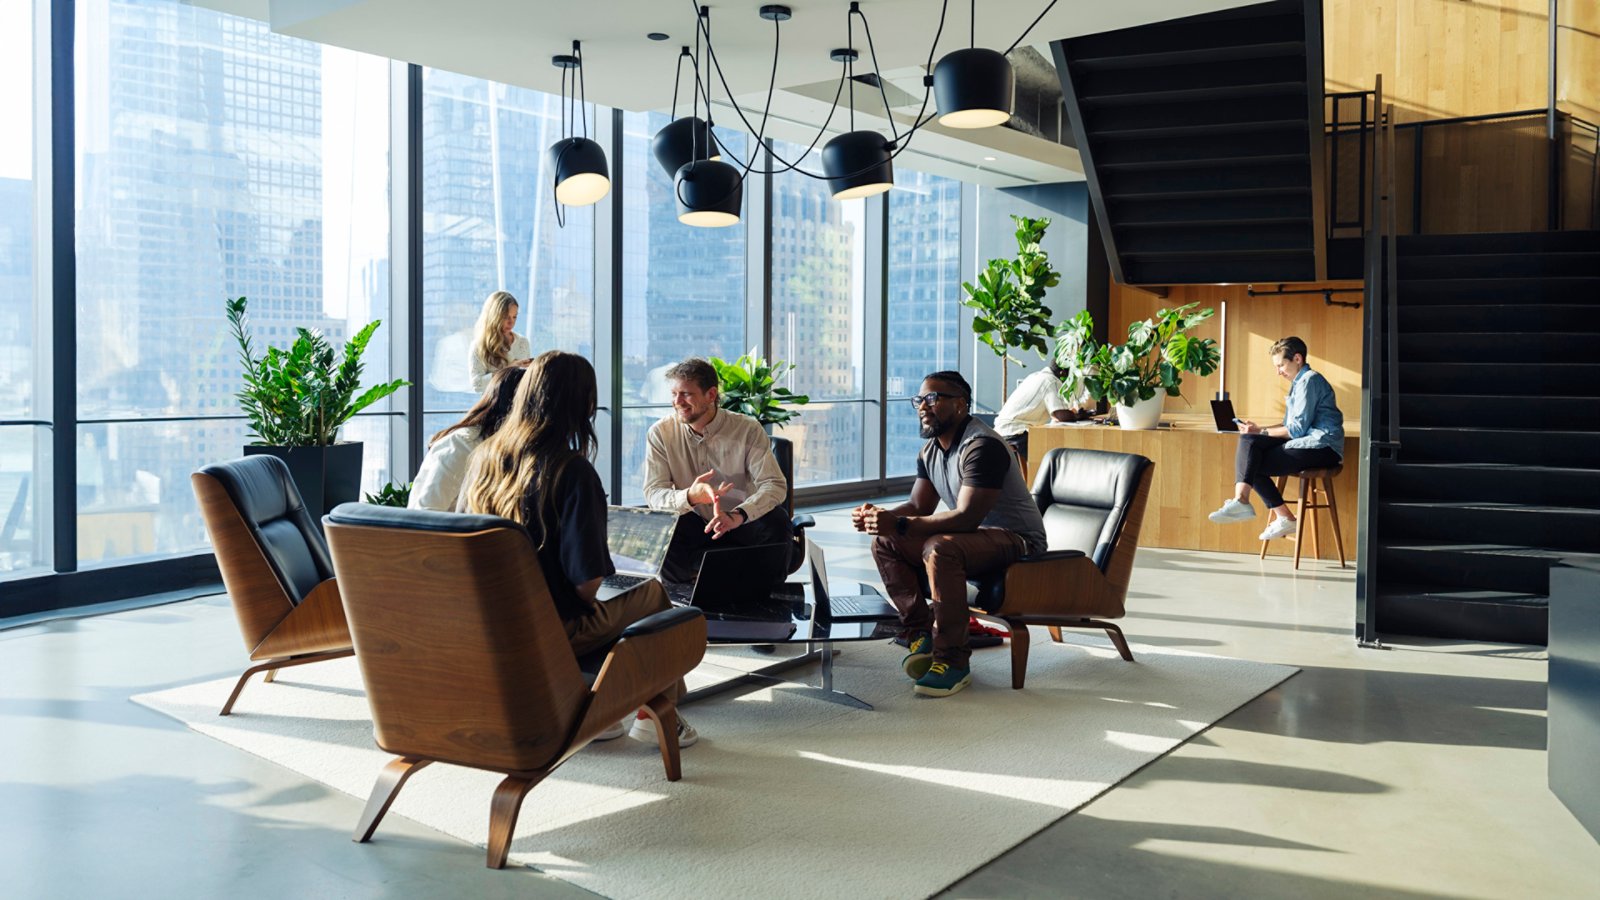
(1311, 437)
(1036, 401)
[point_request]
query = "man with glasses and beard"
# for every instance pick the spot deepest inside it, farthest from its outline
(990, 522)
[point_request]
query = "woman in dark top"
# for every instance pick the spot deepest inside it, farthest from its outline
(537, 470)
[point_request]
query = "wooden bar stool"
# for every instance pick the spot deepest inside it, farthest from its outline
(1313, 482)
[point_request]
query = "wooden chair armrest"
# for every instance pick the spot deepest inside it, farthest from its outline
(653, 654)
(316, 625)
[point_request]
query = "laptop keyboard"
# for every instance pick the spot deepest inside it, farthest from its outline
(848, 606)
(622, 582)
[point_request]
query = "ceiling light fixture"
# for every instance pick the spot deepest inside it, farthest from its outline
(974, 86)
(710, 192)
(581, 174)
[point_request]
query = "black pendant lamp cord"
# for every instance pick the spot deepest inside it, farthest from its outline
(583, 95)
(1023, 36)
(561, 219)
(972, 32)
(882, 91)
(923, 117)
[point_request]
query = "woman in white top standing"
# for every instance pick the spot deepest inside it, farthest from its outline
(495, 342)
(439, 479)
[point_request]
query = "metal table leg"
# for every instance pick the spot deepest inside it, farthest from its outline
(766, 677)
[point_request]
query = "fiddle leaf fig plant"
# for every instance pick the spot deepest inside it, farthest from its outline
(1009, 298)
(300, 397)
(749, 385)
(1156, 355)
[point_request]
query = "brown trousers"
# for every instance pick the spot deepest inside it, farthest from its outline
(611, 617)
(946, 561)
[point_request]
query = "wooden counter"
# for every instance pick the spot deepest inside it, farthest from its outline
(1194, 474)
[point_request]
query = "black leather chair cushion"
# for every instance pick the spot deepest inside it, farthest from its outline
(1083, 496)
(260, 486)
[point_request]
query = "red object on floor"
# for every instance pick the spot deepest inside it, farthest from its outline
(976, 627)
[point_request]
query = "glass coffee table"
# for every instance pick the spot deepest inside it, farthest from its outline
(801, 629)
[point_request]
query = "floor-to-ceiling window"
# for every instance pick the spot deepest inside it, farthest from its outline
(818, 317)
(24, 475)
(215, 159)
(683, 288)
(924, 301)
(489, 224)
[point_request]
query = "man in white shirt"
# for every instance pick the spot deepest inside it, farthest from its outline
(715, 469)
(1036, 401)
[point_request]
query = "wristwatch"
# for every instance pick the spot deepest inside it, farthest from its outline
(900, 526)
(744, 516)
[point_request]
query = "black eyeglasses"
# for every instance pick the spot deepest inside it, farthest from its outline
(930, 398)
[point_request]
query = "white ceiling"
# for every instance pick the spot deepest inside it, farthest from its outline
(512, 41)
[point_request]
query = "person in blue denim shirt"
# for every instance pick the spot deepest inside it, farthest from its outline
(1311, 437)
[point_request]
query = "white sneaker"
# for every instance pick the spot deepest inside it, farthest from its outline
(1280, 527)
(645, 730)
(1233, 511)
(615, 731)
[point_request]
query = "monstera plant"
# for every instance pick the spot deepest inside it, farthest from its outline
(1132, 375)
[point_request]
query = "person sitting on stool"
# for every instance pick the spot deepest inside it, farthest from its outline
(715, 469)
(1311, 437)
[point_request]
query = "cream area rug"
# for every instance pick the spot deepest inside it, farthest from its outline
(784, 794)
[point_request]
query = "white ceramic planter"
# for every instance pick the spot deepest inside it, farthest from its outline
(1143, 415)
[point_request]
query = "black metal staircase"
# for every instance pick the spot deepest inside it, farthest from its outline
(1201, 140)
(1499, 424)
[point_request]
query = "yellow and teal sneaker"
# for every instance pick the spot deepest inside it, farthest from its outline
(942, 680)
(920, 658)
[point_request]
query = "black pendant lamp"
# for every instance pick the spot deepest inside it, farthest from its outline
(710, 193)
(686, 139)
(973, 87)
(582, 176)
(858, 164)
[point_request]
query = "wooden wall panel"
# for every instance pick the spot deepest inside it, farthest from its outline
(1332, 333)
(1578, 58)
(1441, 58)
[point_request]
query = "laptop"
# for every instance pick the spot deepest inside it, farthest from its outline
(738, 583)
(856, 608)
(638, 539)
(1222, 412)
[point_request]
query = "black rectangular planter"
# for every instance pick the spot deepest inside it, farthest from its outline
(326, 476)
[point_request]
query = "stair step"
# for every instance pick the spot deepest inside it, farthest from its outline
(1181, 93)
(1401, 480)
(1259, 23)
(1542, 379)
(1434, 610)
(1242, 222)
(1188, 56)
(1198, 75)
(1224, 238)
(1210, 194)
(1500, 411)
(1506, 242)
(1572, 449)
(1219, 268)
(1185, 210)
(1292, 175)
(1491, 265)
(1512, 290)
(1202, 148)
(1501, 347)
(1138, 132)
(1494, 317)
(1523, 571)
(1557, 527)
(1218, 113)
(1186, 165)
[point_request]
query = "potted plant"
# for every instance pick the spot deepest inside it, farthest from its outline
(1009, 299)
(749, 385)
(1137, 375)
(391, 494)
(295, 400)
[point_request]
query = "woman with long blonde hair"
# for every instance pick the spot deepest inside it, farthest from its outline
(538, 470)
(495, 342)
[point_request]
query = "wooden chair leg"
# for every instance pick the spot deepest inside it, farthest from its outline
(503, 810)
(270, 677)
(1300, 514)
(665, 713)
(1019, 652)
(1316, 508)
(1055, 633)
(384, 790)
(272, 665)
(1333, 516)
(1114, 632)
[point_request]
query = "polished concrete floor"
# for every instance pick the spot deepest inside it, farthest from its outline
(1417, 771)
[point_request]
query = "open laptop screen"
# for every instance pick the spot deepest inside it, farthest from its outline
(638, 538)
